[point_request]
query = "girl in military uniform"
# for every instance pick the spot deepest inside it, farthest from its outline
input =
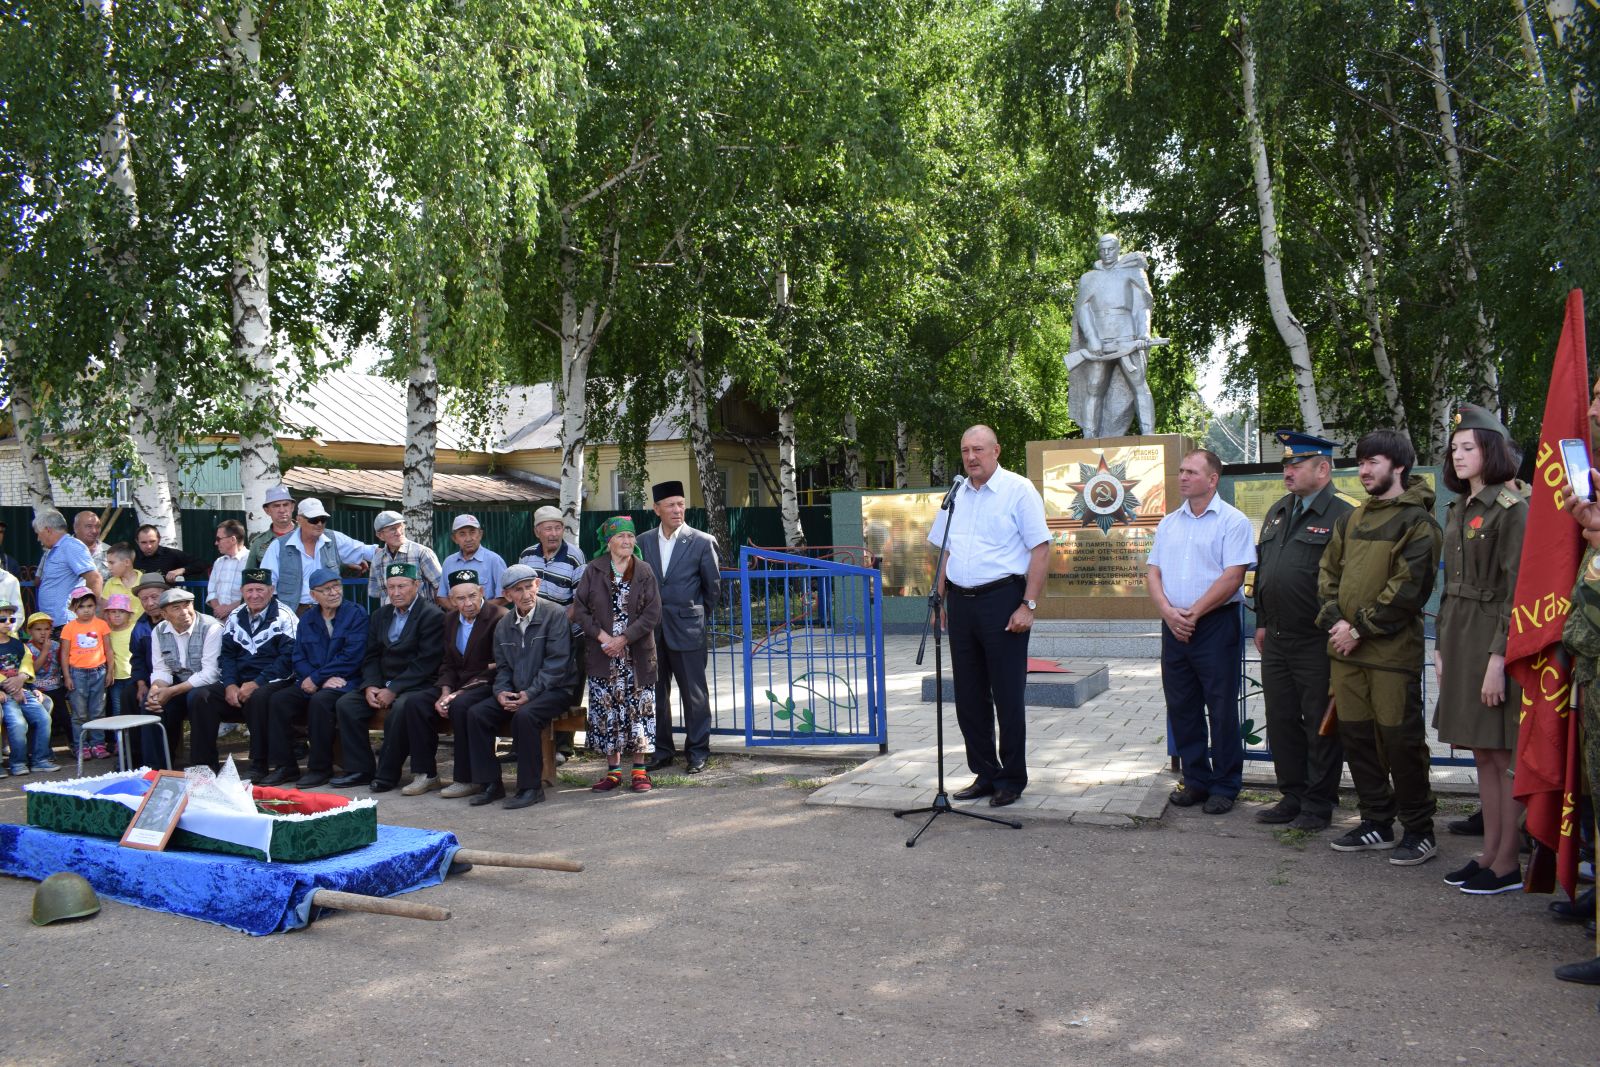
(1478, 705)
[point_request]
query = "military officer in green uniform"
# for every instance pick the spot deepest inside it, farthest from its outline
(1294, 653)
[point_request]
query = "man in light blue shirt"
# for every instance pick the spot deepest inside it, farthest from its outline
(66, 565)
(1197, 564)
(470, 555)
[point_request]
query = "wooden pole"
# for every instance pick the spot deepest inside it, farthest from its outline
(406, 909)
(516, 859)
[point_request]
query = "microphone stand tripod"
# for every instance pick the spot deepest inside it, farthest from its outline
(941, 800)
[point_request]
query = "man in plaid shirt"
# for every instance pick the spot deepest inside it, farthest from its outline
(390, 526)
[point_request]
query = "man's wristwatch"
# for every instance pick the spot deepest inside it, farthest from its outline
(1033, 605)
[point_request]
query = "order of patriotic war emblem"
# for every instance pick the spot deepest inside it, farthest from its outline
(1104, 495)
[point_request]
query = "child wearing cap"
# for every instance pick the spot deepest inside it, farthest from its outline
(23, 712)
(49, 674)
(85, 640)
(120, 697)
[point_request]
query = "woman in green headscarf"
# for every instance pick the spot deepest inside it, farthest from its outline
(618, 605)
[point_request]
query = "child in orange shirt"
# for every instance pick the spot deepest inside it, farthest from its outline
(85, 640)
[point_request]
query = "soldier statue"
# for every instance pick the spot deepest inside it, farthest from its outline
(1111, 343)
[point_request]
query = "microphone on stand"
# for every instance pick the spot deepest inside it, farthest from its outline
(948, 497)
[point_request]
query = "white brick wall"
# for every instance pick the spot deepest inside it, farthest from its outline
(13, 487)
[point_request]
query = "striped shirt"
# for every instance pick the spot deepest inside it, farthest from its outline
(429, 570)
(558, 575)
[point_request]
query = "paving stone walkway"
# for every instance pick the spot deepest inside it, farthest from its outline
(1104, 763)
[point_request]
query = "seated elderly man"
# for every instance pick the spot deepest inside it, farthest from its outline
(329, 647)
(412, 728)
(292, 557)
(185, 656)
(405, 646)
(531, 686)
(257, 660)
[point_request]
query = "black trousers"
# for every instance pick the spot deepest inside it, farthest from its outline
(484, 719)
(990, 674)
(290, 703)
(411, 731)
(209, 708)
(1294, 685)
(1200, 679)
(688, 669)
(354, 713)
(173, 714)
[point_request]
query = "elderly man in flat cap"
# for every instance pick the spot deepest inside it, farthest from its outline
(412, 728)
(531, 688)
(405, 646)
(394, 547)
(256, 660)
(685, 561)
(559, 564)
(311, 545)
(470, 555)
(185, 655)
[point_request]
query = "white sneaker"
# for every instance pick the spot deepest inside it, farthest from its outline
(420, 785)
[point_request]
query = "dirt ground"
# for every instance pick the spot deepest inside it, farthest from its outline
(728, 922)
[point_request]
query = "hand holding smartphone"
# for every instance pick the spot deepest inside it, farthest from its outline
(1575, 457)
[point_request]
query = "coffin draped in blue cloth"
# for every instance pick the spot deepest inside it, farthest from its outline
(245, 894)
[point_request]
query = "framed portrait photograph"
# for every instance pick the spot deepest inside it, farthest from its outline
(157, 817)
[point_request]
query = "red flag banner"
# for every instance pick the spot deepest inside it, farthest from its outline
(1547, 779)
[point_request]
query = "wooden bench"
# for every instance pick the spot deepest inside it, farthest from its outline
(575, 719)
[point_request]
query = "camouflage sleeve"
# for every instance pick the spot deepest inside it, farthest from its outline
(1581, 632)
(1411, 576)
(1510, 553)
(1330, 571)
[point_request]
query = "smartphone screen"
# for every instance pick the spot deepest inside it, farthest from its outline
(1575, 455)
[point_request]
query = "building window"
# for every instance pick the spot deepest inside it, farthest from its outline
(626, 497)
(754, 482)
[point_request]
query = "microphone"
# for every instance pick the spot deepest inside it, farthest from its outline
(951, 495)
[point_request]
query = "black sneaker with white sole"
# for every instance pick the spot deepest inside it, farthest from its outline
(1462, 875)
(1487, 884)
(1415, 849)
(1368, 837)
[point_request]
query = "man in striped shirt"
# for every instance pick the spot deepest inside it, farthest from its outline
(558, 564)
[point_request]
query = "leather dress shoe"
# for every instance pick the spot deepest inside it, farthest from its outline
(380, 786)
(660, 763)
(1186, 796)
(345, 781)
(1281, 812)
(281, 776)
(1585, 973)
(1471, 826)
(312, 779)
(974, 791)
(496, 791)
(524, 798)
(1579, 909)
(697, 766)
(1002, 797)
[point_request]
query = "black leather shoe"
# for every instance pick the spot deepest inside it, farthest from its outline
(1579, 909)
(660, 763)
(1186, 796)
(281, 776)
(345, 781)
(1471, 826)
(974, 791)
(1585, 973)
(525, 798)
(697, 766)
(496, 791)
(380, 786)
(1002, 797)
(312, 779)
(1281, 812)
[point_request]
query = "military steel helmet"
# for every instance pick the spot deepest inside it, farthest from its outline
(63, 895)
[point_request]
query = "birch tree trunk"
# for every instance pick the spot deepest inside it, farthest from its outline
(852, 451)
(1485, 375)
(251, 306)
(712, 492)
(35, 472)
(938, 473)
(1371, 305)
(1289, 327)
(579, 334)
(1530, 48)
(422, 431)
(789, 493)
(902, 450)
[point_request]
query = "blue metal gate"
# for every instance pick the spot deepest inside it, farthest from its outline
(813, 651)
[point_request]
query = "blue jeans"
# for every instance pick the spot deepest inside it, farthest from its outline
(88, 702)
(20, 716)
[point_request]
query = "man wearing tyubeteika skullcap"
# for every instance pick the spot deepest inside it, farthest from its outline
(405, 646)
(1294, 657)
(685, 563)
